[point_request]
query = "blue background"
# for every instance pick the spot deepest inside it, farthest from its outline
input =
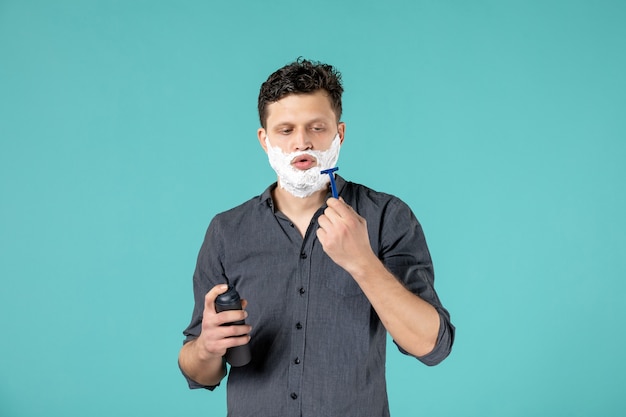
(125, 126)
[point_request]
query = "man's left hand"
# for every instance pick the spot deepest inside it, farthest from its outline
(343, 235)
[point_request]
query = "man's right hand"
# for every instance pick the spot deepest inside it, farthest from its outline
(202, 359)
(215, 338)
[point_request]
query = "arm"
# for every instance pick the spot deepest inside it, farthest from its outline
(412, 322)
(201, 359)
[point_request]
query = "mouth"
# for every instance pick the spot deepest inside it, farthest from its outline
(304, 162)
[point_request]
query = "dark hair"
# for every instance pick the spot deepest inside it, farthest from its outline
(301, 77)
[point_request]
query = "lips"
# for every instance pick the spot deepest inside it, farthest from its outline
(303, 162)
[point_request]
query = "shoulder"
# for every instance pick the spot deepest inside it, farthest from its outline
(367, 200)
(231, 225)
(247, 211)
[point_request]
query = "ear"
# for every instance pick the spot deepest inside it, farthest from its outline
(262, 134)
(341, 130)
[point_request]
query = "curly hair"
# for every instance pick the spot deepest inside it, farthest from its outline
(301, 77)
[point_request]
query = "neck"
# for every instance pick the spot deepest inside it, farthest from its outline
(299, 210)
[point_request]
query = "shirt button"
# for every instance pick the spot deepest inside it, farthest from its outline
(296, 361)
(303, 255)
(294, 396)
(301, 290)
(298, 325)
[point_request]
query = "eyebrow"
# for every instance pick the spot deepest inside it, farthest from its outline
(309, 122)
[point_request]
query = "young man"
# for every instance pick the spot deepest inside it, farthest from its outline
(325, 278)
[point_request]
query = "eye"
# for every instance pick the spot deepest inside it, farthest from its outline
(318, 128)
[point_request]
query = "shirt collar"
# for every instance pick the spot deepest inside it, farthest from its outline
(266, 197)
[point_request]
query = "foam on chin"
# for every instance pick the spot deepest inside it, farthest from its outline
(301, 183)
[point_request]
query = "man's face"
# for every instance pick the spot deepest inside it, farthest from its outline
(301, 122)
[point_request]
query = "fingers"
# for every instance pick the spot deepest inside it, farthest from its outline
(339, 207)
(332, 216)
(215, 341)
(338, 213)
(342, 209)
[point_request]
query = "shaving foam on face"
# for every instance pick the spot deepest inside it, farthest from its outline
(297, 182)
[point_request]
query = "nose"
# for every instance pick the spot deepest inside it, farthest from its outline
(301, 141)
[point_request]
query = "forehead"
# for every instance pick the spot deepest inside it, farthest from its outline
(300, 108)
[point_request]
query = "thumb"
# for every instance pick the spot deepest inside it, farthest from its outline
(209, 298)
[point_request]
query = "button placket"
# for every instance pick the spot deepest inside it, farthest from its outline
(300, 312)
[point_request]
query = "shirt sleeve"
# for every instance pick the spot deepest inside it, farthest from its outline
(405, 253)
(208, 273)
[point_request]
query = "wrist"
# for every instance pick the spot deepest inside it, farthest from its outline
(201, 354)
(362, 268)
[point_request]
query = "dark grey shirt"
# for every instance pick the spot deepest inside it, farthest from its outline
(318, 347)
